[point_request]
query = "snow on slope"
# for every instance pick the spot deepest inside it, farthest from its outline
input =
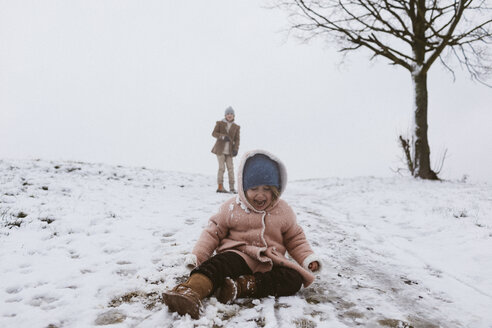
(86, 245)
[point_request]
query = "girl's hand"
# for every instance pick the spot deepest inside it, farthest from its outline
(313, 266)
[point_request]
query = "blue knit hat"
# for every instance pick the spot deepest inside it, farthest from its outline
(260, 170)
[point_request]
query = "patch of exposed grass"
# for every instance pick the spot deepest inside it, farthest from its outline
(246, 303)
(260, 322)
(126, 298)
(110, 317)
(12, 224)
(10, 220)
(227, 315)
(323, 298)
(354, 314)
(21, 215)
(150, 300)
(421, 322)
(304, 323)
(394, 323)
(281, 306)
(47, 220)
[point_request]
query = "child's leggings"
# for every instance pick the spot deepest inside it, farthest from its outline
(280, 281)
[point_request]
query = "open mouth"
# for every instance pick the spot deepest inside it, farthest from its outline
(259, 203)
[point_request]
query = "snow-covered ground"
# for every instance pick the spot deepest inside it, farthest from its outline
(85, 245)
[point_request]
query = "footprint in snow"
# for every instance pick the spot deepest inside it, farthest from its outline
(73, 254)
(42, 301)
(190, 221)
(13, 300)
(126, 272)
(166, 237)
(13, 290)
(123, 262)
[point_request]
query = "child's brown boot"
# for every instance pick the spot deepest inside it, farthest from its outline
(185, 298)
(221, 188)
(244, 286)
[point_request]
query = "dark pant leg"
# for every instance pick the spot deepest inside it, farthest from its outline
(221, 266)
(280, 281)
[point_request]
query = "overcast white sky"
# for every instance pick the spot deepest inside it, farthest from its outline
(142, 83)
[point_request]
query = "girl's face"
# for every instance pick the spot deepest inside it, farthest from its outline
(260, 197)
(229, 117)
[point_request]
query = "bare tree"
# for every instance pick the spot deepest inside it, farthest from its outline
(413, 34)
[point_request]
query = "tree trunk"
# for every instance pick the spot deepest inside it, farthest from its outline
(421, 149)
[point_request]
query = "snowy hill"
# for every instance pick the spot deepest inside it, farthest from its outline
(84, 245)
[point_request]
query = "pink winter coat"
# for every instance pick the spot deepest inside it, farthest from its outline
(262, 238)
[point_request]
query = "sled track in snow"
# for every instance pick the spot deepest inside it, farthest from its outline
(350, 271)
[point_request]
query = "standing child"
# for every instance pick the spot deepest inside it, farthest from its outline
(226, 148)
(250, 235)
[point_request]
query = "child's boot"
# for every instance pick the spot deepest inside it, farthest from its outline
(185, 298)
(221, 188)
(244, 286)
(232, 190)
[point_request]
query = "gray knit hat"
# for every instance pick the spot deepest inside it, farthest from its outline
(229, 110)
